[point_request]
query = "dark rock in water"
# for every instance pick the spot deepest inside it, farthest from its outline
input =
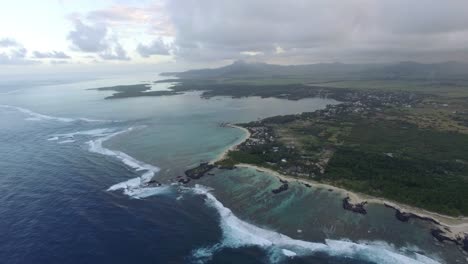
(283, 181)
(440, 236)
(404, 217)
(307, 185)
(153, 183)
(282, 188)
(211, 174)
(357, 208)
(465, 243)
(330, 190)
(184, 180)
(198, 172)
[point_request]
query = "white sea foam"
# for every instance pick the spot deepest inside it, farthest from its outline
(100, 132)
(66, 141)
(40, 117)
(237, 233)
(11, 92)
(136, 187)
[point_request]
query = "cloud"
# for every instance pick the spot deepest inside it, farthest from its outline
(59, 62)
(120, 14)
(96, 38)
(151, 18)
(7, 42)
(50, 55)
(88, 37)
(13, 53)
(157, 47)
(115, 53)
(319, 30)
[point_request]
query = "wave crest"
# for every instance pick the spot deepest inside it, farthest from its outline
(136, 187)
(34, 116)
(237, 233)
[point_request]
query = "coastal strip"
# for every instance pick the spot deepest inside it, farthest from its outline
(205, 167)
(223, 155)
(448, 228)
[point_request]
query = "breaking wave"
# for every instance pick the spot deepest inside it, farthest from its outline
(33, 116)
(237, 233)
(136, 187)
(66, 141)
(93, 133)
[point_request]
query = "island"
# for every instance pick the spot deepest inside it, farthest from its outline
(134, 90)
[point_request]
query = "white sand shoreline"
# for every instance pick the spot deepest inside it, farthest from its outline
(223, 154)
(453, 227)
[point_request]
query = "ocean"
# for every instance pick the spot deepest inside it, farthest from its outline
(74, 169)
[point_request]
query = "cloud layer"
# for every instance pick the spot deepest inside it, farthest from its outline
(320, 30)
(157, 47)
(96, 38)
(13, 53)
(50, 55)
(291, 32)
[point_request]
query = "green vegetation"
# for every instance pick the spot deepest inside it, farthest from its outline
(136, 90)
(380, 154)
(401, 132)
(397, 160)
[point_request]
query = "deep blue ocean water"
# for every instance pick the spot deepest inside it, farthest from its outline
(55, 205)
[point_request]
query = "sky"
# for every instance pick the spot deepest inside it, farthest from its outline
(55, 34)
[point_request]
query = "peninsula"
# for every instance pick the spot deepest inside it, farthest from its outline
(395, 141)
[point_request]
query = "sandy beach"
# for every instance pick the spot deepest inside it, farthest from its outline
(453, 227)
(233, 146)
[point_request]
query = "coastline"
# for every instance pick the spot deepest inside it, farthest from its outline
(224, 154)
(453, 228)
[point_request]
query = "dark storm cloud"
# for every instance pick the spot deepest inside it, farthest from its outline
(319, 30)
(50, 55)
(157, 47)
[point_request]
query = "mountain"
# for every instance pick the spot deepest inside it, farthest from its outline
(402, 70)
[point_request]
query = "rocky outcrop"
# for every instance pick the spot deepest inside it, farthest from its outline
(406, 216)
(282, 188)
(441, 236)
(444, 235)
(356, 208)
(441, 233)
(198, 172)
(465, 243)
(402, 216)
(153, 183)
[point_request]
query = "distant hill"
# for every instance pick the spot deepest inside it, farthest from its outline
(402, 70)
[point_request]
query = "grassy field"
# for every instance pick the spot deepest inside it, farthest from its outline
(457, 89)
(397, 160)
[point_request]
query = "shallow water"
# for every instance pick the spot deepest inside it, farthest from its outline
(66, 146)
